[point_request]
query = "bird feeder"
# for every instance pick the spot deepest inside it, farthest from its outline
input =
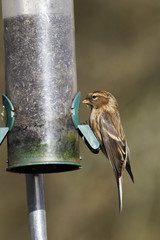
(41, 83)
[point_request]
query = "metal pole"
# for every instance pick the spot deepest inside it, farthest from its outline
(36, 206)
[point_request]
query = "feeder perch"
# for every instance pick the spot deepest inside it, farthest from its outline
(84, 129)
(10, 118)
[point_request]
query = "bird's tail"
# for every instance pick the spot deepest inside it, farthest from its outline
(119, 183)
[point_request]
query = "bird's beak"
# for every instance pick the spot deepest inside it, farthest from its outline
(86, 101)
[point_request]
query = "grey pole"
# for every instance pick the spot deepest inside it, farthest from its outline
(36, 206)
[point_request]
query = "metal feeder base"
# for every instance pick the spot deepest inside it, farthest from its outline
(46, 167)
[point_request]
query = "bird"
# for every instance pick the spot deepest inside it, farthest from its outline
(106, 124)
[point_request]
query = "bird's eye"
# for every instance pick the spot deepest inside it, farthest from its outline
(94, 97)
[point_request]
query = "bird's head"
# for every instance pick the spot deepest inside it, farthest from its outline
(98, 99)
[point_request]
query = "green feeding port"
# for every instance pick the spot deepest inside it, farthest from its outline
(41, 83)
(9, 109)
(84, 129)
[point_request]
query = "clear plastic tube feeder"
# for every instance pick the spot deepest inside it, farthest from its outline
(41, 82)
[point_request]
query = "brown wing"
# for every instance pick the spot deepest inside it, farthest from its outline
(115, 147)
(114, 144)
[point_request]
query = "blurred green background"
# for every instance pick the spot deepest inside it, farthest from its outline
(118, 50)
